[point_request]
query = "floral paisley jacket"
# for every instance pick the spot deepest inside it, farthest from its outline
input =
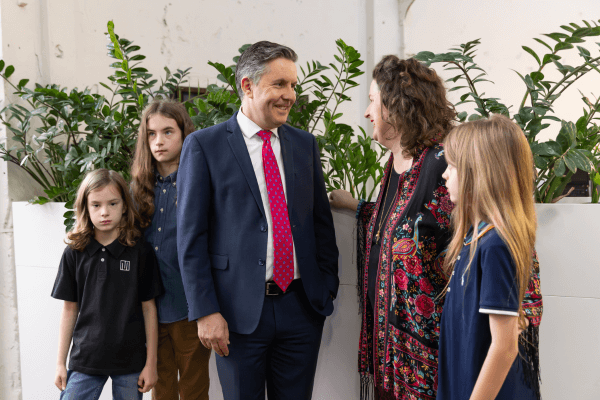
(398, 349)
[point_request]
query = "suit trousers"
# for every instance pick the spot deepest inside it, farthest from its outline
(282, 352)
(182, 363)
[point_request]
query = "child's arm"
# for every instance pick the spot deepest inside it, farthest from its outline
(500, 357)
(68, 317)
(149, 375)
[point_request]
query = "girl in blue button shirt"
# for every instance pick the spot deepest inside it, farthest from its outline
(182, 360)
(490, 179)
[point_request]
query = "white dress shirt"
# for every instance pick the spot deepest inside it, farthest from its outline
(254, 144)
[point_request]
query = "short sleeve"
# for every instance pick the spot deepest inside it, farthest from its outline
(65, 285)
(499, 291)
(150, 284)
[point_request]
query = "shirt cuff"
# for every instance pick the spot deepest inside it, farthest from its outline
(500, 312)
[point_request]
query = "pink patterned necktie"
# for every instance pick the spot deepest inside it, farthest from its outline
(283, 264)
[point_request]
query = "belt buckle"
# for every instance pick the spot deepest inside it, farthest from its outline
(269, 286)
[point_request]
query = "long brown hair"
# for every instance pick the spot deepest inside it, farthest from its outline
(495, 172)
(144, 164)
(415, 98)
(79, 237)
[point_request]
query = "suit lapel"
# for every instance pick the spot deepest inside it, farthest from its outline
(287, 154)
(240, 150)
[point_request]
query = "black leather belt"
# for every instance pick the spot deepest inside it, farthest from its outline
(271, 288)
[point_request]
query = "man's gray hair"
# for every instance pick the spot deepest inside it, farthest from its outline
(253, 62)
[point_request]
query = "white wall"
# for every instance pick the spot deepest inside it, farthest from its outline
(504, 26)
(63, 42)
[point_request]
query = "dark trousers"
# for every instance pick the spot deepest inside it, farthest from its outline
(282, 352)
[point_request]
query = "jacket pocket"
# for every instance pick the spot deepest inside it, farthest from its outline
(218, 261)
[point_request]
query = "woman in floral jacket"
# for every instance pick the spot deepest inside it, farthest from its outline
(403, 236)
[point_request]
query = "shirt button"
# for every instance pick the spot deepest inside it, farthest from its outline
(161, 210)
(458, 258)
(164, 190)
(448, 289)
(156, 248)
(103, 249)
(159, 229)
(102, 259)
(261, 262)
(263, 228)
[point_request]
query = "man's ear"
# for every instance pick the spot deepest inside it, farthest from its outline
(247, 86)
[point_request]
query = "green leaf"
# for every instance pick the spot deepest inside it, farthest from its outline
(562, 46)
(1, 65)
(9, 71)
(549, 148)
(570, 163)
(537, 76)
(113, 39)
(530, 51)
(559, 167)
(556, 36)
(23, 82)
(544, 43)
(548, 58)
(567, 136)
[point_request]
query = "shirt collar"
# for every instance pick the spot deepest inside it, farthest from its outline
(115, 248)
(160, 179)
(249, 127)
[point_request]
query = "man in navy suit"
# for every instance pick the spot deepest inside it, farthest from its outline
(255, 238)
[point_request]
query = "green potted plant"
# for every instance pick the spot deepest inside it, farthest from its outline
(557, 160)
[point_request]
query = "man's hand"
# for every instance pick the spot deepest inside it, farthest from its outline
(147, 379)
(214, 333)
(340, 198)
(60, 379)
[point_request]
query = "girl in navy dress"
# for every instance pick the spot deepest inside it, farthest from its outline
(490, 179)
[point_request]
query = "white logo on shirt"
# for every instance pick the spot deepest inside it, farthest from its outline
(124, 265)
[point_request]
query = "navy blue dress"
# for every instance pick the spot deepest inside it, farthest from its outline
(488, 287)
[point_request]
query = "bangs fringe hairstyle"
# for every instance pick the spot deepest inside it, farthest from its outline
(83, 230)
(415, 98)
(496, 185)
(143, 166)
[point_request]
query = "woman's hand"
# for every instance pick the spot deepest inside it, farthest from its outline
(340, 198)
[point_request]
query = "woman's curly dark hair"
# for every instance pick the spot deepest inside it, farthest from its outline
(415, 98)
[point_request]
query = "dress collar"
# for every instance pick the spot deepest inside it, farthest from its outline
(483, 228)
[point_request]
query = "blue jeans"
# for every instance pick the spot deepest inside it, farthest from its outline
(82, 386)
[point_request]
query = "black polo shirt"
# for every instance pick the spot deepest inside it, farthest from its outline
(109, 284)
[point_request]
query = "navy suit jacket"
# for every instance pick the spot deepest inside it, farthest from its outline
(222, 228)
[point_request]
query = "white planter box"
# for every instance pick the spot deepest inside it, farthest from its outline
(568, 235)
(39, 242)
(568, 238)
(39, 236)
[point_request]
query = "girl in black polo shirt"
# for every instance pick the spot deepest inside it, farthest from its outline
(490, 179)
(108, 278)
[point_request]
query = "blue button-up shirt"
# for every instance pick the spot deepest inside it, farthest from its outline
(162, 234)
